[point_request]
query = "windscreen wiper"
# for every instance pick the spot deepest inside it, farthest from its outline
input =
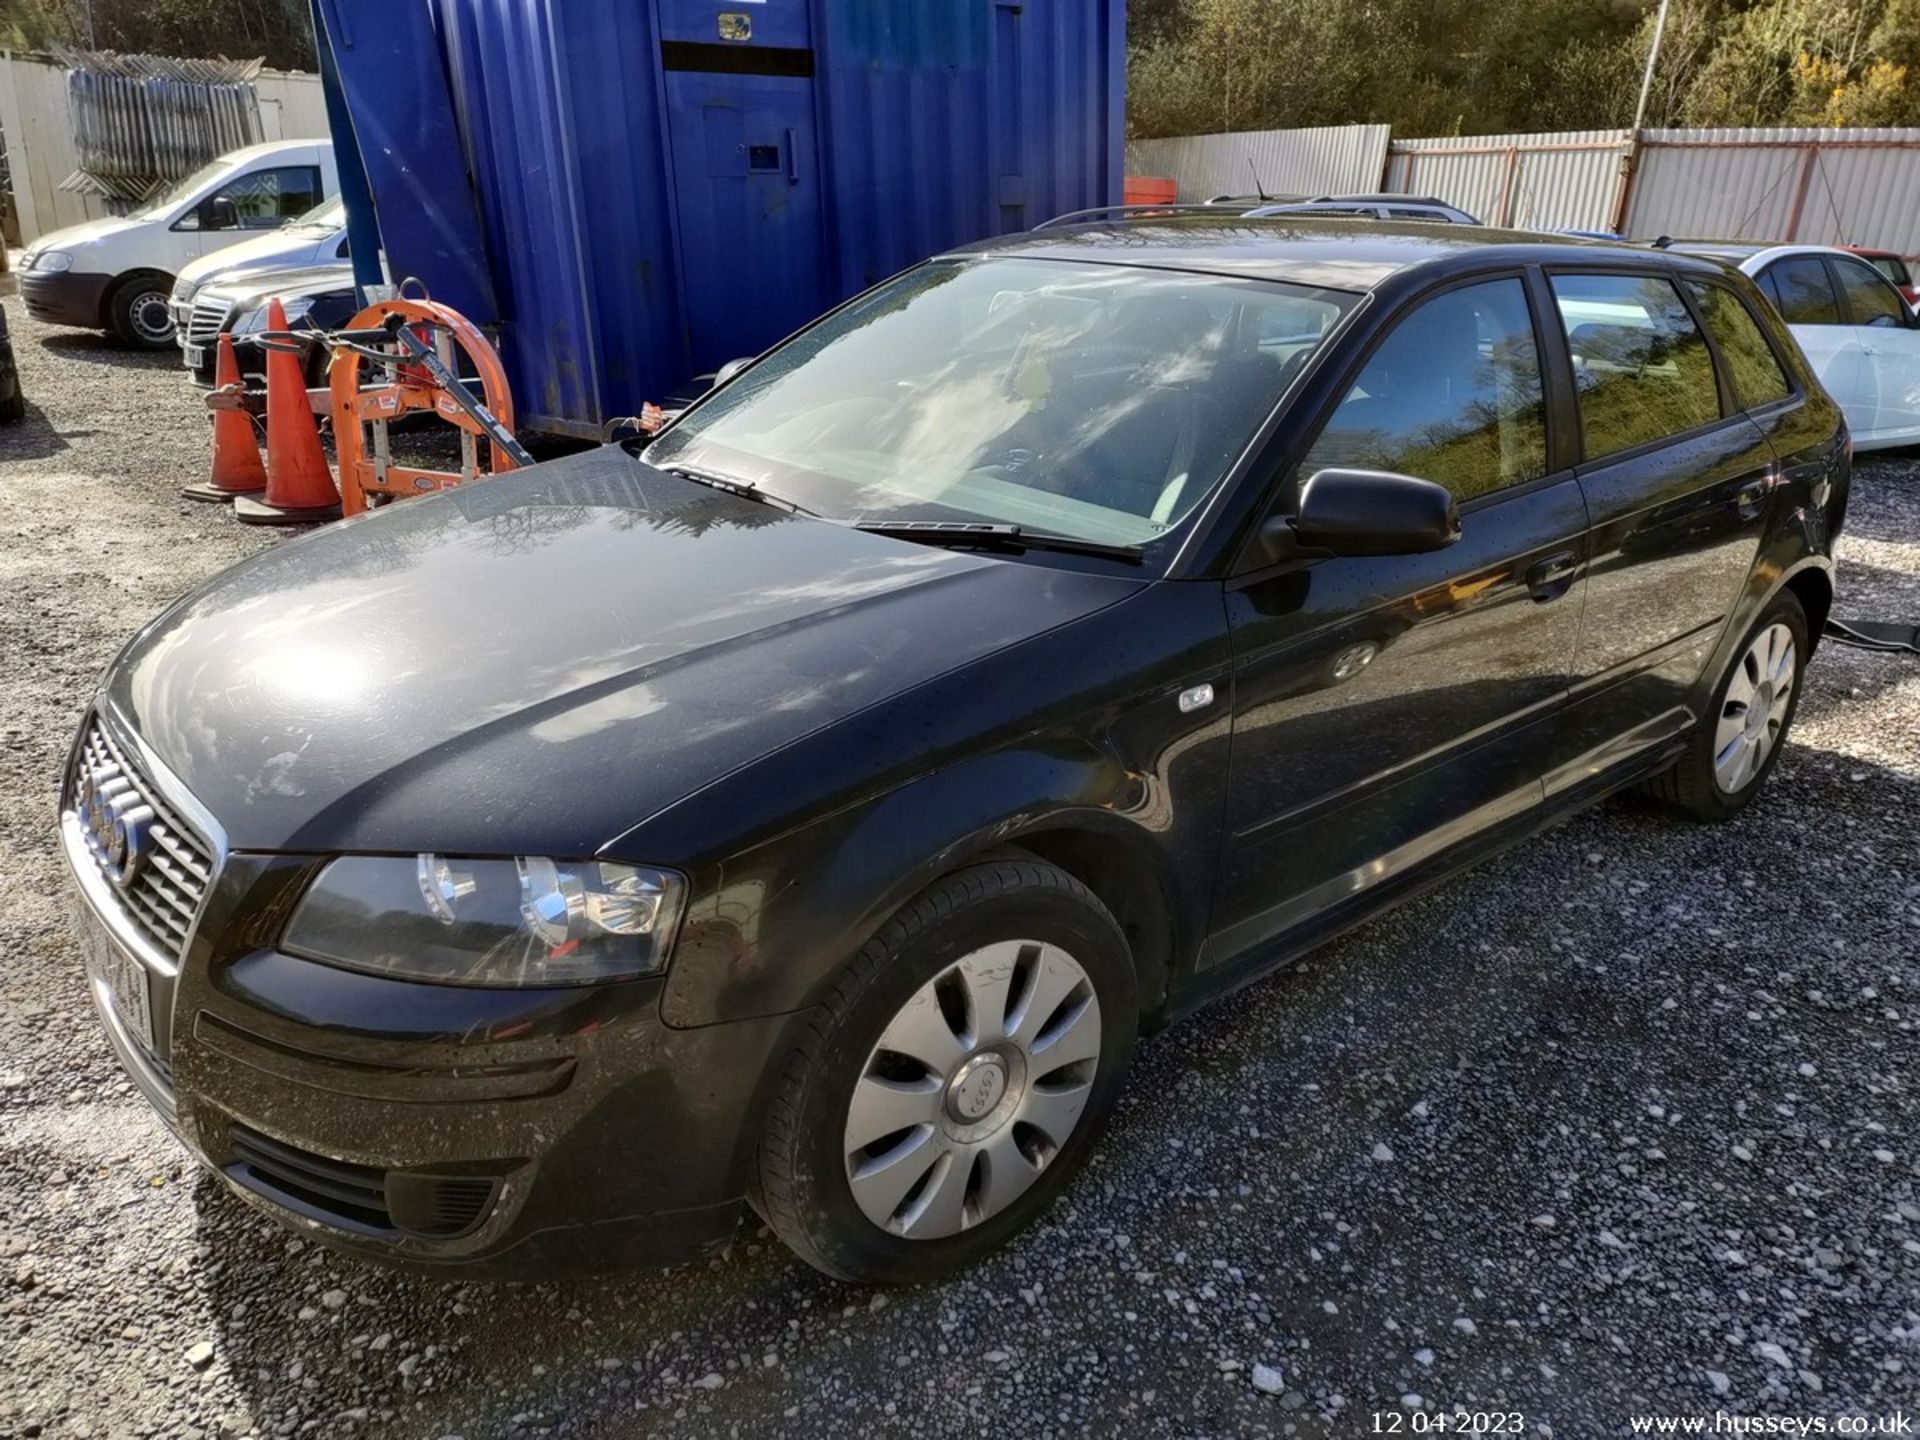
(984, 535)
(745, 489)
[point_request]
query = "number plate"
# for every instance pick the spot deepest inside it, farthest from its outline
(196, 356)
(126, 979)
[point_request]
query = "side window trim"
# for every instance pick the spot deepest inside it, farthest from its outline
(1585, 463)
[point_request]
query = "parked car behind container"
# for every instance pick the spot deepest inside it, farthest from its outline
(1377, 207)
(316, 297)
(1860, 333)
(318, 237)
(116, 274)
(816, 803)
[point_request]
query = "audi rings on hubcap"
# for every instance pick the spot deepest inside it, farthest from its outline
(1754, 710)
(974, 1087)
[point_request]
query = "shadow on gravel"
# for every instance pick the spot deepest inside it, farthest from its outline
(94, 348)
(32, 437)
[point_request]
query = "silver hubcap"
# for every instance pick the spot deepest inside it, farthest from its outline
(150, 315)
(1754, 710)
(973, 1089)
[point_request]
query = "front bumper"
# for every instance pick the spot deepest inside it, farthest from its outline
(495, 1133)
(65, 297)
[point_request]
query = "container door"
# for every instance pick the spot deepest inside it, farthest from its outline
(746, 175)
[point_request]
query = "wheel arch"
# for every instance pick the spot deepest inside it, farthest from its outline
(120, 281)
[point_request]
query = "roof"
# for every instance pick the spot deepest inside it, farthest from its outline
(1334, 254)
(274, 147)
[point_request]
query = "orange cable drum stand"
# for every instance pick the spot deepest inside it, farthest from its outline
(362, 411)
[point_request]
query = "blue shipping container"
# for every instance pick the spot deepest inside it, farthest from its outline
(663, 185)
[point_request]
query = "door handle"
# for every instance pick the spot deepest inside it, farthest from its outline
(1753, 496)
(1552, 577)
(793, 161)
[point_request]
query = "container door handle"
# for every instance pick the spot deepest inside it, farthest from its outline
(793, 161)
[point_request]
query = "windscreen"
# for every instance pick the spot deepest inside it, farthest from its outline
(1102, 402)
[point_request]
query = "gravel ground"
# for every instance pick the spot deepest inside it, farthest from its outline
(1623, 1122)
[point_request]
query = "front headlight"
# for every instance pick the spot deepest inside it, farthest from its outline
(529, 921)
(52, 260)
(253, 320)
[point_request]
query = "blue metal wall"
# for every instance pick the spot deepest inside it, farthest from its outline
(933, 122)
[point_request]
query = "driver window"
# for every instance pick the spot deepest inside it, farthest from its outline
(1453, 395)
(262, 199)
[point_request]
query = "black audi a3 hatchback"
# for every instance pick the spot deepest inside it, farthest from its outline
(810, 808)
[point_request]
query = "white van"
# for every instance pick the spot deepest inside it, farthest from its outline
(116, 274)
(318, 237)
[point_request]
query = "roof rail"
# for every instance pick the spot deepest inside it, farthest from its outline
(1140, 212)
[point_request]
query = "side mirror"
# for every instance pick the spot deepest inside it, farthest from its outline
(1364, 512)
(217, 212)
(732, 368)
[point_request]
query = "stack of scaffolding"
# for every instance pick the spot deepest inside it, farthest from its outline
(143, 121)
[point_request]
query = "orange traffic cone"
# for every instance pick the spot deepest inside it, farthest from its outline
(299, 486)
(236, 454)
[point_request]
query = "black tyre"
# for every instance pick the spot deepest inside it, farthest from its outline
(140, 314)
(1738, 740)
(955, 1079)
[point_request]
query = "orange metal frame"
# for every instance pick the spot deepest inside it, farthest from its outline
(362, 413)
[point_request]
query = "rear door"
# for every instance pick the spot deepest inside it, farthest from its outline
(746, 174)
(1883, 327)
(1390, 708)
(1802, 289)
(1678, 480)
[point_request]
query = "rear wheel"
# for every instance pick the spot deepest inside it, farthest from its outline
(140, 313)
(1738, 740)
(955, 1079)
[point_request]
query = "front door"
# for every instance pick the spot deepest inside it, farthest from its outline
(746, 176)
(1389, 708)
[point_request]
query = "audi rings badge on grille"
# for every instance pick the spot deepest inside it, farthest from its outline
(117, 818)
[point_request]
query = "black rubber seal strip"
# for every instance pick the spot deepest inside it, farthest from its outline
(737, 59)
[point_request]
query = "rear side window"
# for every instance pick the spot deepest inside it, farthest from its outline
(1870, 299)
(1800, 288)
(1453, 395)
(1751, 364)
(1641, 366)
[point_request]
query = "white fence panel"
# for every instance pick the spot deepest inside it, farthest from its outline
(39, 136)
(1565, 181)
(1293, 163)
(1821, 187)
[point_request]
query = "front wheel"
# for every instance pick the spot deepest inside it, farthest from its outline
(140, 313)
(1738, 740)
(954, 1080)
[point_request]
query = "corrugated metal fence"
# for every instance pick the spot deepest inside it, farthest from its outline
(1854, 187)
(1273, 162)
(1534, 182)
(37, 126)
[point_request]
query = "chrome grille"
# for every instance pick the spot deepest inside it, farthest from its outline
(165, 892)
(206, 320)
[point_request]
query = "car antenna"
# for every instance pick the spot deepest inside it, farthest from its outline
(1258, 188)
(1663, 242)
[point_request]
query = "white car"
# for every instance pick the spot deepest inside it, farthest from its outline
(318, 237)
(1860, 334)
(116, 274)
